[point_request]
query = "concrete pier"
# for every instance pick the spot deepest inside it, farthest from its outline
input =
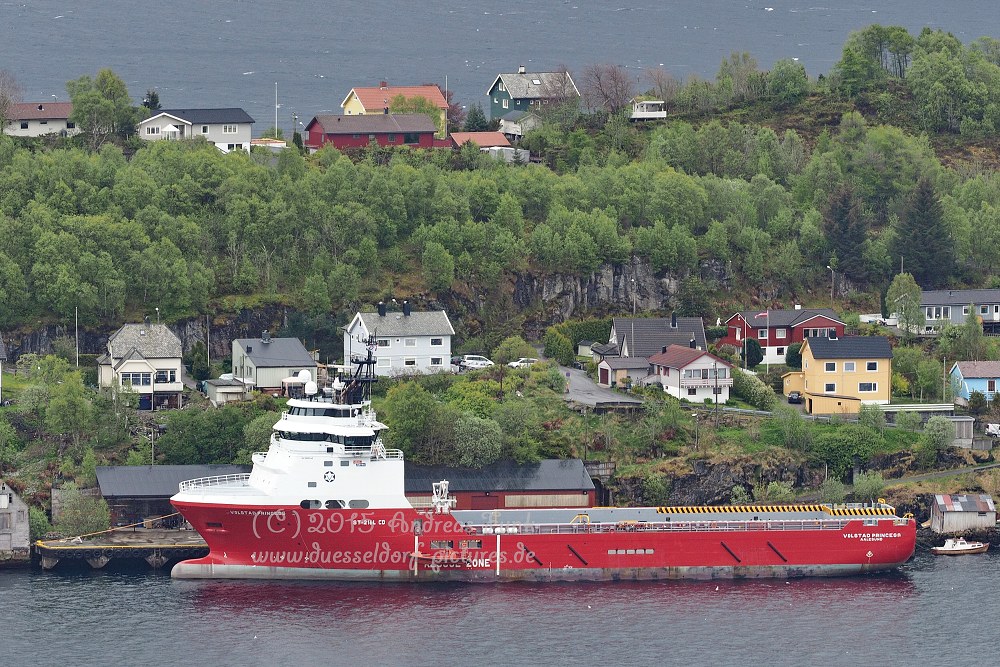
(156, 547)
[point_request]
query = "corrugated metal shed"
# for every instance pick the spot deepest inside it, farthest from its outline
(965, 503)
(154, 481)
(548, 475)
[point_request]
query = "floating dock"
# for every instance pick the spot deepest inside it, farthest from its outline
(155, 546)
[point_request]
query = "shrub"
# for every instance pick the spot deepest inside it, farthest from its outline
(753, 390)
(868, 486)
(832, 491)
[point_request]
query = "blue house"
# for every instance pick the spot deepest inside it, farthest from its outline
(970, 376)
(529, 91)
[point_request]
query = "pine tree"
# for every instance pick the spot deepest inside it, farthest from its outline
(923, 241)
(847, 231)
(476, 120)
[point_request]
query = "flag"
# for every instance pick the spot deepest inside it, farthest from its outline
(764, 314)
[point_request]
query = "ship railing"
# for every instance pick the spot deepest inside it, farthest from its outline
(239, 479)
(664, 526)
(367, 451)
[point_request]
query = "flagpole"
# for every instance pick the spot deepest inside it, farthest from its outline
(767, 364)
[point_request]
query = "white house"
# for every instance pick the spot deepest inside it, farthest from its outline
(694, 375)
(229, 129)
(272, 364)
(36, 119)
(146, 357)
(15, 542)
(408, 341)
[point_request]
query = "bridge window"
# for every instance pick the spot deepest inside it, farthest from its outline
(311, 504)
(359, 504)
(335, 504)
(442, 544)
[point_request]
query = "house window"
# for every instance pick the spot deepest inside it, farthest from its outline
(382, 342)
(505, 104)
(384, 362)
(996, 309)
(984, 310)
(781, 333)
(410, 361)
(991, 385)
(371, 137)
(229, 129)
(409, 342)
(166, 375)
(965, 310)
(830, 387)
(946, 312)
(437, 342)
(848, 366)
(24, 125)
(781, 351)
(70, 125)
(762, 334)
(871, 366)
(5, 521)
(437, 361)
(43, 122)
(136, 379)
(500, 86)
(392, 138)
(204, 129)
(411, 138)
(867, 387)
(355, 136)
(716, 390)
(929, 314)
(692, 391)
(152, 129)
(830, 367)
(232, 147)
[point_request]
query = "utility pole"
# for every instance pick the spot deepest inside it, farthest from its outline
(715, 369)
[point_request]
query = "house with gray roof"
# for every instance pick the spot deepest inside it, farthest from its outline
(954, 306)
(524, 91)
(272, 364)
(408, 341)
(971, 376)
(229, 129)
(644, 337)
(147, 359)
(516, 124)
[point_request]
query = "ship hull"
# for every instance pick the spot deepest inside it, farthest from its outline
(411, 546)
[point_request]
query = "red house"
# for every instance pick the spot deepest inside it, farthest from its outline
(775, 330)
(416, 130)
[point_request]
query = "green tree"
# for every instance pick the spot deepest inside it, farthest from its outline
(923, 240)
(846, 228)
(795, 433)
(82, 515)
(476, 120)
(10, 94)
(438, 266)
(793, 356)
(70, 410)
(773, 492)
(978, 404)
(832, 491)
(751, 353)
(38, 523)
(908, 421)
(938, 435)
(101, 106)
(903, 300)
(868, 486)
(740, 496)
(787, 82)
(13, 291)
(478, 441)
(418, 104)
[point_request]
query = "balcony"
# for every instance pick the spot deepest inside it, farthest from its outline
(706, 382)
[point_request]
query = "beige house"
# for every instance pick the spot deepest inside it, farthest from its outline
(229, 129)
(15, 540)
(147, 358)
(839, 375)
(271, 364)
(37, 119)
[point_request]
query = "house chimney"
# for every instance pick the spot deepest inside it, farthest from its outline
(663, 349)
(520, 69)
(406, 309)
(385, 110)
(673, 320)
(265, 336)
(383, 84)
(691, 343)
(381, 308)
(249, 349)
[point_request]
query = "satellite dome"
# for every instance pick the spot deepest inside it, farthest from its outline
(338, 384)
(311, 388)
(305, 375)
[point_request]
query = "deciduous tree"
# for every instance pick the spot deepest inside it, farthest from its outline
(10, 94)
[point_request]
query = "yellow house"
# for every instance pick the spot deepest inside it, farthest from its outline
(362, 101)
(839, 375)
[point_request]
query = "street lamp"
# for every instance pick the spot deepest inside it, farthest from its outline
(833, 281)
(697, 435)
(157, 315)
(633, 296)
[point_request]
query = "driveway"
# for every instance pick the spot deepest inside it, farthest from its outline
(583, 391)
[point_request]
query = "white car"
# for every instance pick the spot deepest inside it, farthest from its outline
(523, 362)
(474, 361)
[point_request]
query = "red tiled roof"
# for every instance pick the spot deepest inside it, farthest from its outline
(41, 111)
(377, 98)
(482, 139)
(374, 123)
(679, 356)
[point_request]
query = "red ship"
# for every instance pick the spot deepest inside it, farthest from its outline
(326, 501)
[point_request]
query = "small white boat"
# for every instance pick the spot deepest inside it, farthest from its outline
(957, 546)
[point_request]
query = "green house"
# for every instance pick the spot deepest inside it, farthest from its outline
(525, 91)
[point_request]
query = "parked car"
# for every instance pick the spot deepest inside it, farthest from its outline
(523, 362)
(794, 397)
(993, 430)
(473, 361)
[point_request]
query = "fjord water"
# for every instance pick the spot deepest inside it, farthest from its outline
(232, 52)
(933, 608)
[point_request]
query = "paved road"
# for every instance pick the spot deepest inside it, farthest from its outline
(582, 390)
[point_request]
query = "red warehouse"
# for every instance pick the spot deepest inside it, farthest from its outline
(416, 130)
